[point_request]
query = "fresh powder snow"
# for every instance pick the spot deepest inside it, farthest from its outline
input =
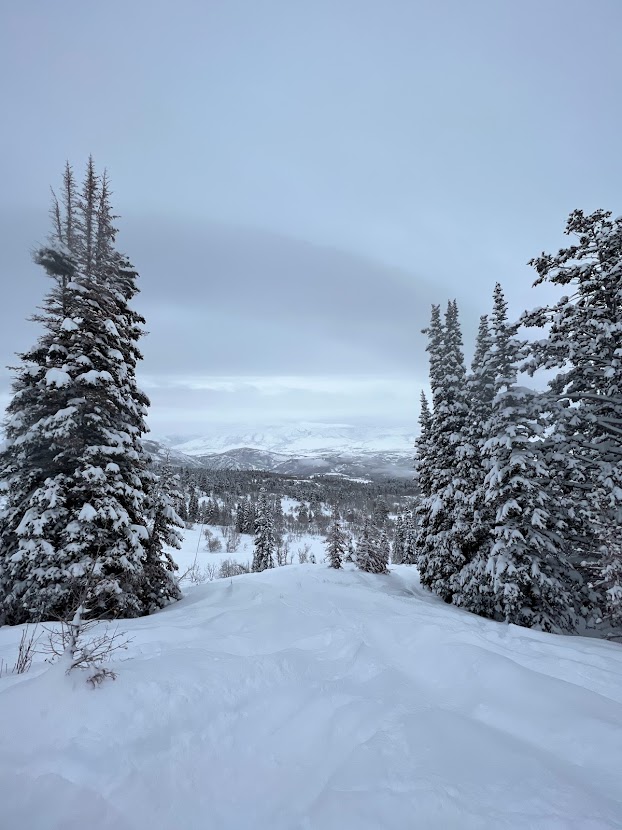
(304, 697)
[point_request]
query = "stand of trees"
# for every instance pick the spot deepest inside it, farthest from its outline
(521, 511)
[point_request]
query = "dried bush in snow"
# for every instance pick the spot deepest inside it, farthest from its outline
(25, 653)
(214, 544)
(80, 646)
(282, 554)
(303, 554)
(232, 539)
(230, 568)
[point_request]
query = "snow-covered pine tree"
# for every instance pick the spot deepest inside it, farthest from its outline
(336, 544)
(265, 543)
(442, 525)
(410, 539)
(164, 525)
(526, 577)
(250, 516)
(384, 551)
(278, 517)
(583, 344)
(610, 572)
(425, 451)
(73, 466)
(211, 511)
(397, 553)
(477, 515)
(240, 516)
(193, 506)
(372, 555)
(426, 466)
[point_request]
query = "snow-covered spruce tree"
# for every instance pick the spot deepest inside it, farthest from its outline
(240, 516)
(372, 554)
(426, 462)
(526, 577)
(193, 506)
(410, 539)
(441, 514)
(424, 449)
(478, 519)
(384, 549)
(73, 468)
(480, 392)
(265, 543)
(584, 345)
(397, 553)
(164, 525)
(336, 543)
(470, 584)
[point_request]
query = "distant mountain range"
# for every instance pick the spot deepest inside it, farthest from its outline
(300, 449)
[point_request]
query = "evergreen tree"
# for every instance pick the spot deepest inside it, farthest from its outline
(73, 467)
(336, 546)
(611, 574)
(478, 520)
(410, 540)
(372, 553)
(240, 516)
(265, 543)
(164, 525)
(398, 542)
(250, 517)
(279, 518)
(193, 506)
(425, 450)
(525, 578)
(584, 332)
(384, 551)
(442, 524)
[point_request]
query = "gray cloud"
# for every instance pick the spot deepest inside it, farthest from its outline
(298, 181)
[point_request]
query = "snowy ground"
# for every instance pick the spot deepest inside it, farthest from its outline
(193, 551)
(309, 699)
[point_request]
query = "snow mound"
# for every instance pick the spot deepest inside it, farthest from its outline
(320, 700)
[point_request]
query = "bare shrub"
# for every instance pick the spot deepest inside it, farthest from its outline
(282, 553)
(80, 647)
(230, 568)
(213, 542)
(303, 553)
(194, 574)
(232, 539)
(25, 653)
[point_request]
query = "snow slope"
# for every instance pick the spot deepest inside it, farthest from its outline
(304, 698)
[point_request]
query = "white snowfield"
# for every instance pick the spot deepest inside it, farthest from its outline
(305, 698)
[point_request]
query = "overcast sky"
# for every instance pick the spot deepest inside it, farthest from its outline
(299, 179)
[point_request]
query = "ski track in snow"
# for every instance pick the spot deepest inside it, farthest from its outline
(309, 699)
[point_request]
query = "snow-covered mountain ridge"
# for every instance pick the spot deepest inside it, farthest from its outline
(304, 439)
